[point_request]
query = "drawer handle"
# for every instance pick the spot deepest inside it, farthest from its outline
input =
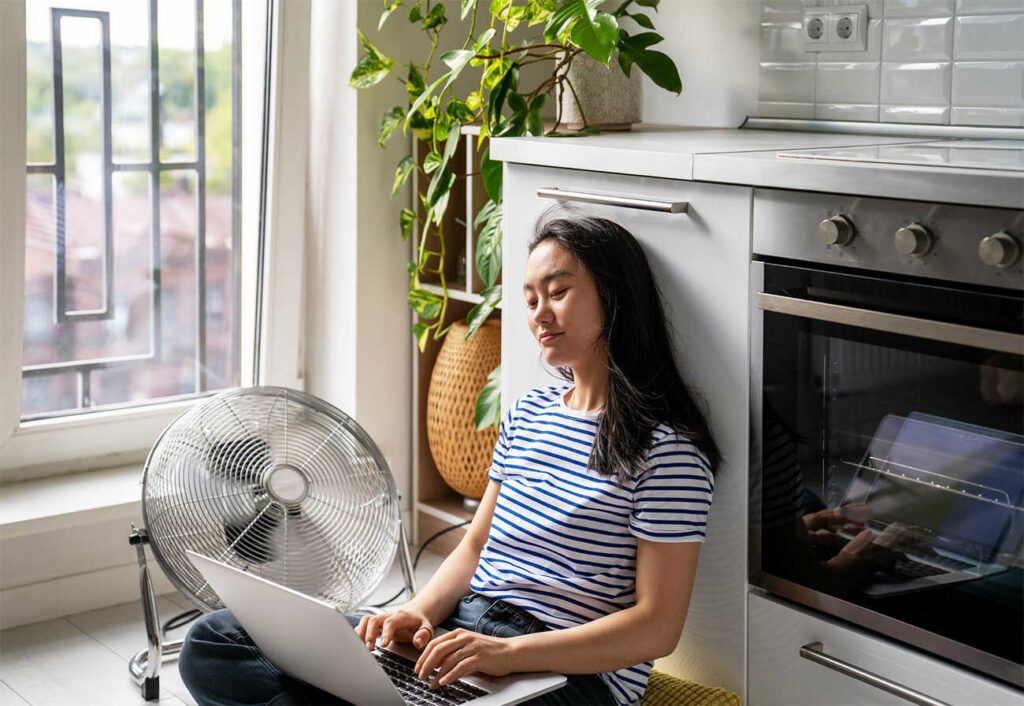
(815, 653)
(608, 200)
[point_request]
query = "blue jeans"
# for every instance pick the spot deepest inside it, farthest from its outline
(221, 666)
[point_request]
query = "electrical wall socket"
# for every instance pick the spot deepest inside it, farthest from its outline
(841, 28)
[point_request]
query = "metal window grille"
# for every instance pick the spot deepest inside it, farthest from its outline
(153, 167)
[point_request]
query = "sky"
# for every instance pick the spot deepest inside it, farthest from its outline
(129, 22)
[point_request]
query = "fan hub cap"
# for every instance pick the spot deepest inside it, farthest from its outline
(286, 484)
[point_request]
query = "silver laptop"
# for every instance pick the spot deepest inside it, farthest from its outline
(312, 640)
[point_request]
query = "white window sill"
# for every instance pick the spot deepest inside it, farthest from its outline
(60, 502)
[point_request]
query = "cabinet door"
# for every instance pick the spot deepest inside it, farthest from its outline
(700, 260)
(777, 674)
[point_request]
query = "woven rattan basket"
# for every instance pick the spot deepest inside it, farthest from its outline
(461, 453)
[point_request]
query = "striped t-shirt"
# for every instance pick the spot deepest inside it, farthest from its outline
(562, 543)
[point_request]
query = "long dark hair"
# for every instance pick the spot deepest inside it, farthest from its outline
(644, 386)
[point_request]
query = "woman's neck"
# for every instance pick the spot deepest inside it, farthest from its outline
(591, 388)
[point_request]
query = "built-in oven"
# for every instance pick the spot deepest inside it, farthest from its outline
(887, 457)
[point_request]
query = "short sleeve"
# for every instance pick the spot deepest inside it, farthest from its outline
(672, 497)
(497, 472)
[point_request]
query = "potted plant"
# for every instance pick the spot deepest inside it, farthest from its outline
(562, 33)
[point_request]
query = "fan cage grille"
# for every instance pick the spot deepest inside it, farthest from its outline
(206, 487)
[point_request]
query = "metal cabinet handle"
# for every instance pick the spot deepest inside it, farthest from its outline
(814, 652)
(551, 192)
(894, 323)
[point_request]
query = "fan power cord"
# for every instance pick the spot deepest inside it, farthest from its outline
(181, 619)
(416, 561)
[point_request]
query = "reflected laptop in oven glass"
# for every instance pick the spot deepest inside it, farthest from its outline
(949, 496)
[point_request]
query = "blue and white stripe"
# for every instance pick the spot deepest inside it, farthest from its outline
(563, 539)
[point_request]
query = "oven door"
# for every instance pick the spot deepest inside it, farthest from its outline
(887, 459)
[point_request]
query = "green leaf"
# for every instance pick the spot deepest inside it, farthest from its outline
(479, 313)
(406, 218)
(648, 3)
(426, 304)
(597, 36)
(435, 18)
(655, 64)
(643, 20)
(389, 7)
(467, 5)
(508, 83)
(452, 144)
(431, 162)
(415, 14)
(488, 245)
(402, 174)
(460, 111)
(414, 84)
(491, 172)
(474, 101)
(488, 404)
(437, 194)
(373, 67)
(564, 16)
(391, 120)
(534, 125)
(419, 332)
(420, 100)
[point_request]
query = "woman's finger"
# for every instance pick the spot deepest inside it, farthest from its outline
(461, 669)
(371, 631)
(361, 627)
(450, 662)
(439, 649)
(428, 648)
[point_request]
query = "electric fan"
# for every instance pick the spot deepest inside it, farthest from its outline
(273, 481)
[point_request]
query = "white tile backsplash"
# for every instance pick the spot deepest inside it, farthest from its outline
(955, 62)
(919, 39)
(989, 37)
(787, 82)
(918, 8)
(1012, 117)
(916, 84)
(913, 114)
(996, 7)
(847, 83)
(989, 84)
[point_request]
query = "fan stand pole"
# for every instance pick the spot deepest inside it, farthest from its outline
(145, 666)
(407, 568)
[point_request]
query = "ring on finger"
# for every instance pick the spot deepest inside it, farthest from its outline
(458, 655)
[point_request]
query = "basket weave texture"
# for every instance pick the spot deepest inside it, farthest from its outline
(668, 690)
(461, 453)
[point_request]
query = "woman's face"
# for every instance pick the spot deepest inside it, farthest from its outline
(561, 299)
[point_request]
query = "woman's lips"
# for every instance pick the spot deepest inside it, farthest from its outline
(547, 337)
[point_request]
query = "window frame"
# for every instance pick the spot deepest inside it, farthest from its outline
(275, 60)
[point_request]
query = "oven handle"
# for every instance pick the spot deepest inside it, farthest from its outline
(551, 192)
(894, 323)
(814, 652)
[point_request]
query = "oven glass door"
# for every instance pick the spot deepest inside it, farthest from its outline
(888, 465)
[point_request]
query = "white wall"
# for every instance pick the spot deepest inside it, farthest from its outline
(716, 46)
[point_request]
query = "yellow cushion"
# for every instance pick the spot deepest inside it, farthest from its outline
(666, 690)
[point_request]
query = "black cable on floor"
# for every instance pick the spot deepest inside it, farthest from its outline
(416, 561)
(181, 619)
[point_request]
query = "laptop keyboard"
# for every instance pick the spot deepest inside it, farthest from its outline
(907, 569)
(415, 691)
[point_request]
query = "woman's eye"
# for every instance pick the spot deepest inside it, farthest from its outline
(560, 292)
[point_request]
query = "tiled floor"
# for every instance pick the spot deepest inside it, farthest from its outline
(82, 660)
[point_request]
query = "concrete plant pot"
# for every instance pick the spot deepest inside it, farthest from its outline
(610, 100)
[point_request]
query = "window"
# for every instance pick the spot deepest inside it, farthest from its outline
(142, 195)
(132, 202)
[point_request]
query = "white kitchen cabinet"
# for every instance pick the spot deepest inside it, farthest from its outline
(700, 260)
(777, 674)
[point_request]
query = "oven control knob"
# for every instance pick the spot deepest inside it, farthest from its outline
(999, 250)
(914, 239)
(837, 230)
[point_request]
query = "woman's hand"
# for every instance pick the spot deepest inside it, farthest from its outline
(406, 624)
(461, 652)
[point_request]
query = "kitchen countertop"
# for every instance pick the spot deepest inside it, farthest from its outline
(749, 157)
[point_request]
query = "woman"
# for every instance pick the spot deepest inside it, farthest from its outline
(581, 556)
